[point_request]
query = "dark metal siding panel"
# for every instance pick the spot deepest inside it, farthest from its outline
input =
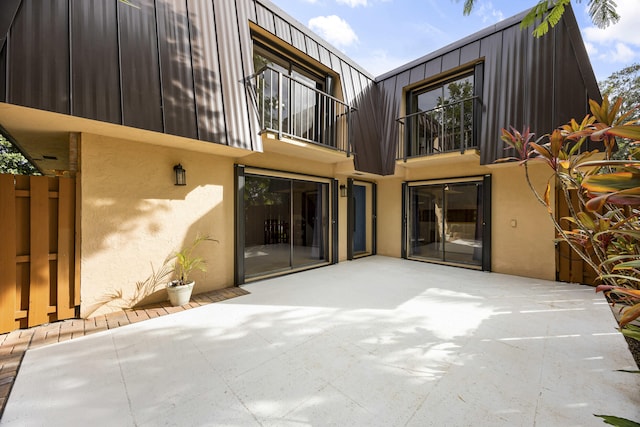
(416, 74)
(265, 18)
(234, 44)
(470, 52)
(514, 85)
(3, 74)
(451, 60)
(95, 69)
(139, 65)
(433, 67)
(542, 82)
(206, 72)
(283, 29)
(312, 49)
(389, 134)
(251, 138)
(8, 10)
(491, 50)
(298, 40)
(366, 131)
(175, 68)
(571, 89)
(39, 61)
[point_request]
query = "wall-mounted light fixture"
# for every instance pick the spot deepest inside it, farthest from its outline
(343, 190)
(181, 174)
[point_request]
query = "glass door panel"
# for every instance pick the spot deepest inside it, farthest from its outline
(310, 231)
(286, 224)
(267, 224)
(425, 226)
(463, 228)
(445, 222)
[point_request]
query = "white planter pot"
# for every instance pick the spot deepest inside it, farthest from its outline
(180, 295)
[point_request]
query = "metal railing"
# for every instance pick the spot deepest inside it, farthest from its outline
(293, 109)
(443, 129)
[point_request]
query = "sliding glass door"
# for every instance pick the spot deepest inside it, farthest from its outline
(446, 222)
(285, 224)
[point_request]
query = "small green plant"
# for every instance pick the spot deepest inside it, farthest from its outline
(185, 262)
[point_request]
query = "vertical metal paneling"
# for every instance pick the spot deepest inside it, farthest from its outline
(490, 144)
(39, 62)
(297, 39)
(265, 18)
(541, 75)
(389, 134)
(176, 70)
(325, 58)
(139, 65)
(250, 137)
(416, 74)
(3, 74)
(234, 42)
(312, 49)
(251, 10)
(347, 82)
(570, 90)
(514, 82)
(283, 29)
(95, 77)
(433, 67)
(366, 126)
(8, 10)
(470, 52)
(206, 72)
(451, 60)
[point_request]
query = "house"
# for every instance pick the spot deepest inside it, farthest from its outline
(295, 156)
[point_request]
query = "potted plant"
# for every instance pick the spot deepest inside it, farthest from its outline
(185, 262)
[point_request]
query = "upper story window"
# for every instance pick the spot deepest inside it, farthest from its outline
(440, 117)
(294, 99)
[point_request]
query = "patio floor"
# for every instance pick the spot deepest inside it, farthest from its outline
(374, 342)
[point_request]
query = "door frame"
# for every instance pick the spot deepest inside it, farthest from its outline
(351, 218)
(485, 263)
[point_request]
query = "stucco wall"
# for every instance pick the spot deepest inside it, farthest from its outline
(522, 234)
(526, 249)
(133, 216)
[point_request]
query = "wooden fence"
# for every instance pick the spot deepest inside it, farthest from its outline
(569, 266)
(38, 278)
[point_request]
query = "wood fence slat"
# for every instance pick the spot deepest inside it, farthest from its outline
(39, 246)
(77, 237)
(66, 256)
(7, 254)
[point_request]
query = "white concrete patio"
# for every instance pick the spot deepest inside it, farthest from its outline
(373, 342)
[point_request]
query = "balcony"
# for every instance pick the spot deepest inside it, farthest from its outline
(295, 110)
(444, 129)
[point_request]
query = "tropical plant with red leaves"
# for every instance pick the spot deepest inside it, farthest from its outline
(604, 226)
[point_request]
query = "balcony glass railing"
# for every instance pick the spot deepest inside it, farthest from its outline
(443, 129)
(293, 109)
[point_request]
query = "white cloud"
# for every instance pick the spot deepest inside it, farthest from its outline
(334, 29)
(353, 3)
(622, 53)
(488, 13)
(379, 62)
(591, 49)
(625, 31)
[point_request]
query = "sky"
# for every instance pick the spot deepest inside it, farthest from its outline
(381, 35)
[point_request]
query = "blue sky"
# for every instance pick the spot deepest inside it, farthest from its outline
(383, 34)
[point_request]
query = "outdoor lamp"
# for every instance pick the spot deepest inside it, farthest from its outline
(343, 190)
(181, 174)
